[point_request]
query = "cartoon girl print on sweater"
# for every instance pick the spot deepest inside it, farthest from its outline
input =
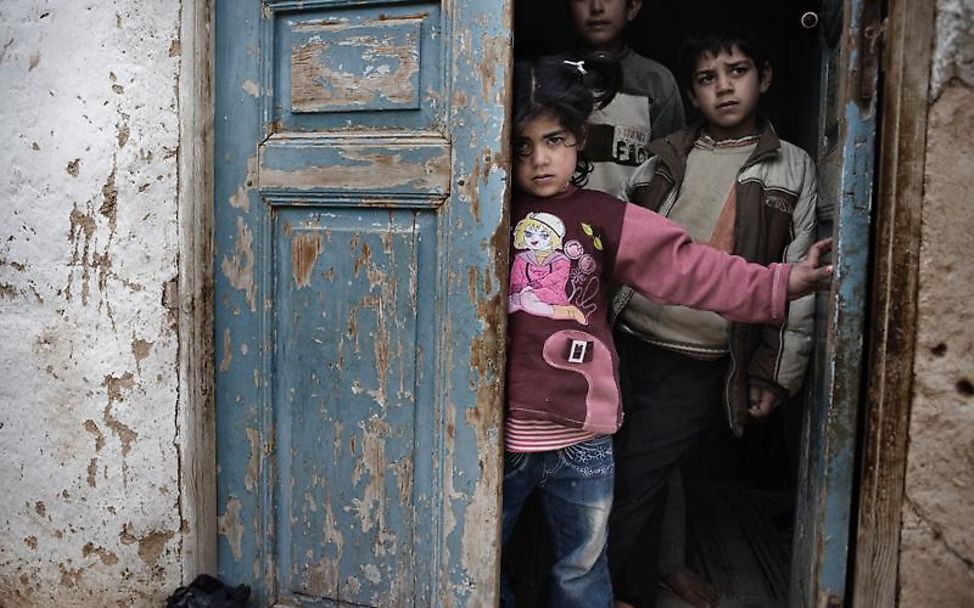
(543, 280)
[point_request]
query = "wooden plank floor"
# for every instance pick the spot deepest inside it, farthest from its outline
(739, 539)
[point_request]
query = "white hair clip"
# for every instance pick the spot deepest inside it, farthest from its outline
(578, 65)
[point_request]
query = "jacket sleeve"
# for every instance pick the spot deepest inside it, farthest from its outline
(639, 178)
(657, 258)
(780, 360)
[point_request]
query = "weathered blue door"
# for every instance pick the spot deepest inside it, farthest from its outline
(360, 245)
(820, 562)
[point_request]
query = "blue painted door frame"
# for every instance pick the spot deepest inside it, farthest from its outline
(360, 253)
(824, 514)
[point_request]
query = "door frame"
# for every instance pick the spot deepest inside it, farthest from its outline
(906, 64)
(191, 293)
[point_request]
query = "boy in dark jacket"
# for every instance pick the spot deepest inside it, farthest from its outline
(735, 186)
(647, 106)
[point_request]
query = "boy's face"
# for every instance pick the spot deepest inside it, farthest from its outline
(545, 154)
(601, 23)
(726, 89)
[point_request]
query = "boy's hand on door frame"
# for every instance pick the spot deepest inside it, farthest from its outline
(811, 274)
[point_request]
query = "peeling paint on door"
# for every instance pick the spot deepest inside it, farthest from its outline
(239, 268)
(372, 65)
(312, 165)
(231, 528)
(368, 233)
(304, 253)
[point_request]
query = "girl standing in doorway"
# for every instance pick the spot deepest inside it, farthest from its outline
(562, 392)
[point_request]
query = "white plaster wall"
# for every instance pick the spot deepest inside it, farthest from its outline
(88, 354)
(953, 54)
(937, 536)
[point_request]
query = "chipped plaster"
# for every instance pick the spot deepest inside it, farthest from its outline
(87, 352)
(953, 53)
(936, 561)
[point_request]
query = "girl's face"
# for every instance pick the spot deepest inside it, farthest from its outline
(545, 155)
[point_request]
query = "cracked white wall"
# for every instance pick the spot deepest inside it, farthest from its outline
(88, 352)
(937, 541)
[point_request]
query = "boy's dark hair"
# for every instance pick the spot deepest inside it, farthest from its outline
(567, 91)
(697, 45)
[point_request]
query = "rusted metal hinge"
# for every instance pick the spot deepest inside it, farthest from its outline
(171, 299)
(170, 294)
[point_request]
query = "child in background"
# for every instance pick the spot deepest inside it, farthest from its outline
(732, 184)
(562, 400)
(647, 106)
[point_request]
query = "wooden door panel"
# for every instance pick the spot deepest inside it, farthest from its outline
(404, 166)
(354, 433)
(360, 242)
(356, 65)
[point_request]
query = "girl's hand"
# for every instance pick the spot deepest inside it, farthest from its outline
(810, 275)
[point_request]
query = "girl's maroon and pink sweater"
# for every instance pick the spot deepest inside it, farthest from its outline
(561, 362)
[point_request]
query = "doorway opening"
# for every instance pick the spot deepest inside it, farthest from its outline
(740, 493)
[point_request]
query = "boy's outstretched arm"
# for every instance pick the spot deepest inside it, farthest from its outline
(811, 274)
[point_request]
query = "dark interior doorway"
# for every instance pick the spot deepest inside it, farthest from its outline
(543, 27)
(740, 492)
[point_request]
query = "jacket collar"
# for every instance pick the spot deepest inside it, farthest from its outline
(673, 149)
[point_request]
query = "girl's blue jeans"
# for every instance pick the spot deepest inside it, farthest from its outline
(576, 495)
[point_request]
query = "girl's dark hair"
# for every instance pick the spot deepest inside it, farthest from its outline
(697, 45)
(559, 87)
